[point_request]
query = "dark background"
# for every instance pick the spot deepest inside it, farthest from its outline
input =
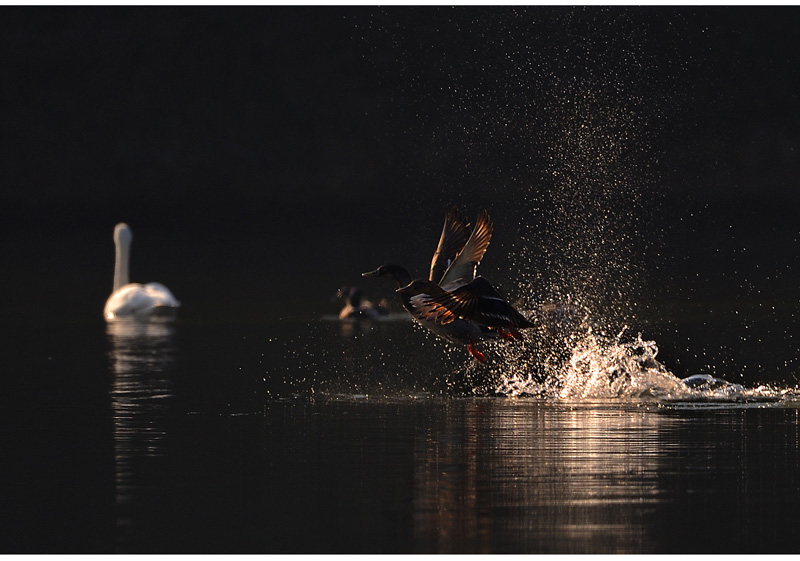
(641, 161)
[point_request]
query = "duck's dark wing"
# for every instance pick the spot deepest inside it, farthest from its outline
(462, 270)
(454, 235)
(476, 301)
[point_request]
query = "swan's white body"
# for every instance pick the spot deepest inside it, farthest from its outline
(133, 299)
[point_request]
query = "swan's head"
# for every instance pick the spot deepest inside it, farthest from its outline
(122, 234)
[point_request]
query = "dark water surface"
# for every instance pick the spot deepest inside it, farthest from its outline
(305, 438)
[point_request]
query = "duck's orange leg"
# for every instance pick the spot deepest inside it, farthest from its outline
(510, 334)
(479, 356)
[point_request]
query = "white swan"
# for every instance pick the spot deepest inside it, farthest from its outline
(133, 299)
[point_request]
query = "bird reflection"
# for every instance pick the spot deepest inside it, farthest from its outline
(591, 474)
(141, 356)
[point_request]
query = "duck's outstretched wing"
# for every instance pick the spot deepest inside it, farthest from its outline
(420, 294)
(455, 233)
(462, 270)
(476, 301)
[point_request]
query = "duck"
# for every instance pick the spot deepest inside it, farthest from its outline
(133, 299)
(358, 307)
(449, 302)
(477, 301)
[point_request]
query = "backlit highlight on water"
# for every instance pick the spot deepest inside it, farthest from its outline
(596, 366)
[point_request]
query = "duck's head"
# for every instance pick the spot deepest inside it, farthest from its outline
(350, 293)
(394, 272)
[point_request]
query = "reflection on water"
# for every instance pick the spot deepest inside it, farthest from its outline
(379, 460)
(521, 475)
(141, 358)
(357, 326)
(539, 479)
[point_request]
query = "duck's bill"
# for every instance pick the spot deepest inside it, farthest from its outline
(371, 273)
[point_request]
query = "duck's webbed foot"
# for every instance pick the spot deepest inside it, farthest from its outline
(479, 356)
(509, 334)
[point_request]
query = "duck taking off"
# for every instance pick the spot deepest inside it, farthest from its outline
(133, 299)
(453, 303)
(477, 301)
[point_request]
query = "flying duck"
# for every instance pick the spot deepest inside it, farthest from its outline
(450, 302)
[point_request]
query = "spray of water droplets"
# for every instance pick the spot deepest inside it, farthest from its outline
(598, 366)
(551, 117)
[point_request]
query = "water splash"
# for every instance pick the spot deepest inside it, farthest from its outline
(599, 366)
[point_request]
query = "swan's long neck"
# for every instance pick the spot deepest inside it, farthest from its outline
(122, 241)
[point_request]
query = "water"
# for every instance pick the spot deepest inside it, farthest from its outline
(195, 437)
(640, 165)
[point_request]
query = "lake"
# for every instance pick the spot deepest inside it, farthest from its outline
(375, 438)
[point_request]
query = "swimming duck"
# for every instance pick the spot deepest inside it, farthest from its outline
(357, 307)
(453, 267)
